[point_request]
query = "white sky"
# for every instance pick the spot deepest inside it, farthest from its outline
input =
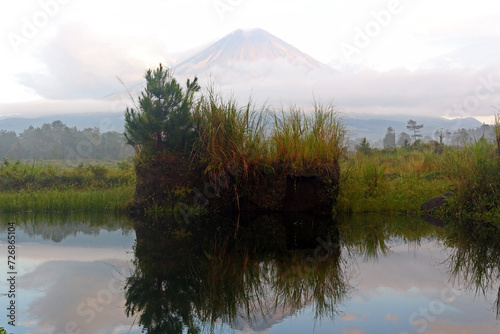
(77, 47)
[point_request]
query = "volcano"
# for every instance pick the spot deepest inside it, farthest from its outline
(246, 47)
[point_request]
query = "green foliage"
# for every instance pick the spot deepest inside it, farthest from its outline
(99, 172)
(390, 181)
(163, 118)
(496, 130)
(49, 187)
(229, 137)
(401, 180)
(38, 176)
(3, 331)
(115, 199)
(240, 138)
(475, 174)
(364, 147)
(308, 141)
(372, 175)
(124, 165)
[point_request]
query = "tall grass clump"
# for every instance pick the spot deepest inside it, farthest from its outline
(475, 175)
(243, 138)
(308, 142)
(496, 130)
(230, 137)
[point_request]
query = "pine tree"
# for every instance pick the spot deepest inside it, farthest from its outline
(163, 119)
(364, 147)
(413, 126)
(390, 138)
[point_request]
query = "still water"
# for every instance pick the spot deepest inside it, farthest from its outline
(259, 274)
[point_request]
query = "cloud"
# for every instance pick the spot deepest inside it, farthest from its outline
(393, 318)
(418, 281)
(80, 64)
(82, 68)
(445, 327)
(57, 107)
(348, 317)
(450, 92)
(353, 317)
(352, 331)
(96, 301)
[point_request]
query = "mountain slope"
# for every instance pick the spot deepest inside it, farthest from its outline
(246, 46)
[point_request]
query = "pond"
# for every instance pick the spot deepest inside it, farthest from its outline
(248, 274)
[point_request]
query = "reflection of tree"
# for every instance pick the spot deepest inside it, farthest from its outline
(164, 303)
(161, 288)
(57, 227)
(475, 258)
(188, 278)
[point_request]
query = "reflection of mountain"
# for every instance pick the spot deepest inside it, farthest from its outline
(241, 47)
(202, 275)
(265, 313)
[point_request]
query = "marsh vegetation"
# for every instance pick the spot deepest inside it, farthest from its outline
(53, 187)
(207, 152)
(267, 155)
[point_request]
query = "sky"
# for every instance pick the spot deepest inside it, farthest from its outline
(391, 56)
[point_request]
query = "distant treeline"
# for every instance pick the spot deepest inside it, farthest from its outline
(459, 137)
(56, 141)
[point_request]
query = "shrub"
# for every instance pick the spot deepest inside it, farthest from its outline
(475, 174)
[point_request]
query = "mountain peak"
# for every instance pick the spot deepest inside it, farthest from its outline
(245, 46)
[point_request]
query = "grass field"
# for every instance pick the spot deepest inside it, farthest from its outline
(42, 187)
(399, 181)
(391, 181)
(396, 181)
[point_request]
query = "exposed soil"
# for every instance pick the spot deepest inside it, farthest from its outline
(170, 179)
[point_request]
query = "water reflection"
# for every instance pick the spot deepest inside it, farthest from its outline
(71, 270)
(249, 275)
(371, 236)
(206, 275)
(474, 258)
(270, 274)
(58, 226)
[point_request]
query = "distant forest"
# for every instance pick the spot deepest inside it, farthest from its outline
(56, 141)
